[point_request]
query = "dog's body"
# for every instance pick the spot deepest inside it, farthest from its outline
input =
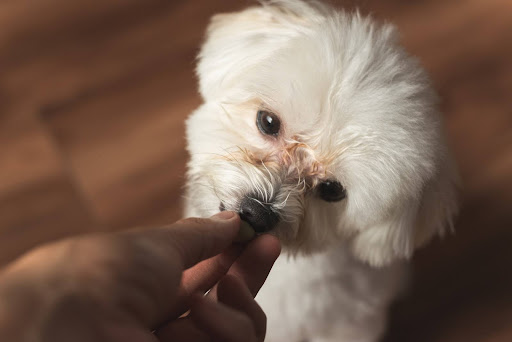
(317, 126)
(329, 296)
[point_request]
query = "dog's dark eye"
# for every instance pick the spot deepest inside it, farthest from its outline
(268, 123)
(331, 191)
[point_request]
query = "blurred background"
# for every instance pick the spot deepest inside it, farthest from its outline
(93, 95)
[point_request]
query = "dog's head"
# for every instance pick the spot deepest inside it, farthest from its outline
(318, 126)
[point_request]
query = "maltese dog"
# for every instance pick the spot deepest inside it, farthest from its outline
(316, 126)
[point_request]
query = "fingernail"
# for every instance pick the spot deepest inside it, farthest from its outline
(224, 215)
(245, 234)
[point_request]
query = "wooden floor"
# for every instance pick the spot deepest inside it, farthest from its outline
(93, 95)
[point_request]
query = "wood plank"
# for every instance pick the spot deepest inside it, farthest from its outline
(38, 202)
(38, 213)
(127, 143)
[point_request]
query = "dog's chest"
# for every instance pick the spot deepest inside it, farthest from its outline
(327, 295)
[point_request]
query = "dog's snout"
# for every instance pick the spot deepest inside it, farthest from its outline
(259, 215)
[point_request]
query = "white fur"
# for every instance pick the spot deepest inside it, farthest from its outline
(355, 107)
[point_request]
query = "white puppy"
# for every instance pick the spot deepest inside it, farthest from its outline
(317, 126)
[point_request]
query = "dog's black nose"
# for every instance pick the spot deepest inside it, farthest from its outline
(259, 215)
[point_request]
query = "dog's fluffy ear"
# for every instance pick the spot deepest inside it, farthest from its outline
(237, 41)
(413, 223)
(439, 205)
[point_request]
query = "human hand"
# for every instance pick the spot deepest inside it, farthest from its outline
(122, 286)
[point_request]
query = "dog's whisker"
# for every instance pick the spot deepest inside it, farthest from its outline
(282, 204)
(263, 204)
(271, 177)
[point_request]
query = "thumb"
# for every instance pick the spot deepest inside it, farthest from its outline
(192, 240)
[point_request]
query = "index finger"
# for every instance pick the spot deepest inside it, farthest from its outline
(255, 263)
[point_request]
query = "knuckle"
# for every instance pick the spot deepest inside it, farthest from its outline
(94, 259)
(260, 315)
(261, 323)
(194, 221)
(247, 325)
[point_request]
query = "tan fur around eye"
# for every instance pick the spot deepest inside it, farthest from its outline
(295, 161)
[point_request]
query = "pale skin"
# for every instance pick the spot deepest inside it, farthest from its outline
(144, 285)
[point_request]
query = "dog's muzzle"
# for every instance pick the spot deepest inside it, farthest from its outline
(259, 215)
